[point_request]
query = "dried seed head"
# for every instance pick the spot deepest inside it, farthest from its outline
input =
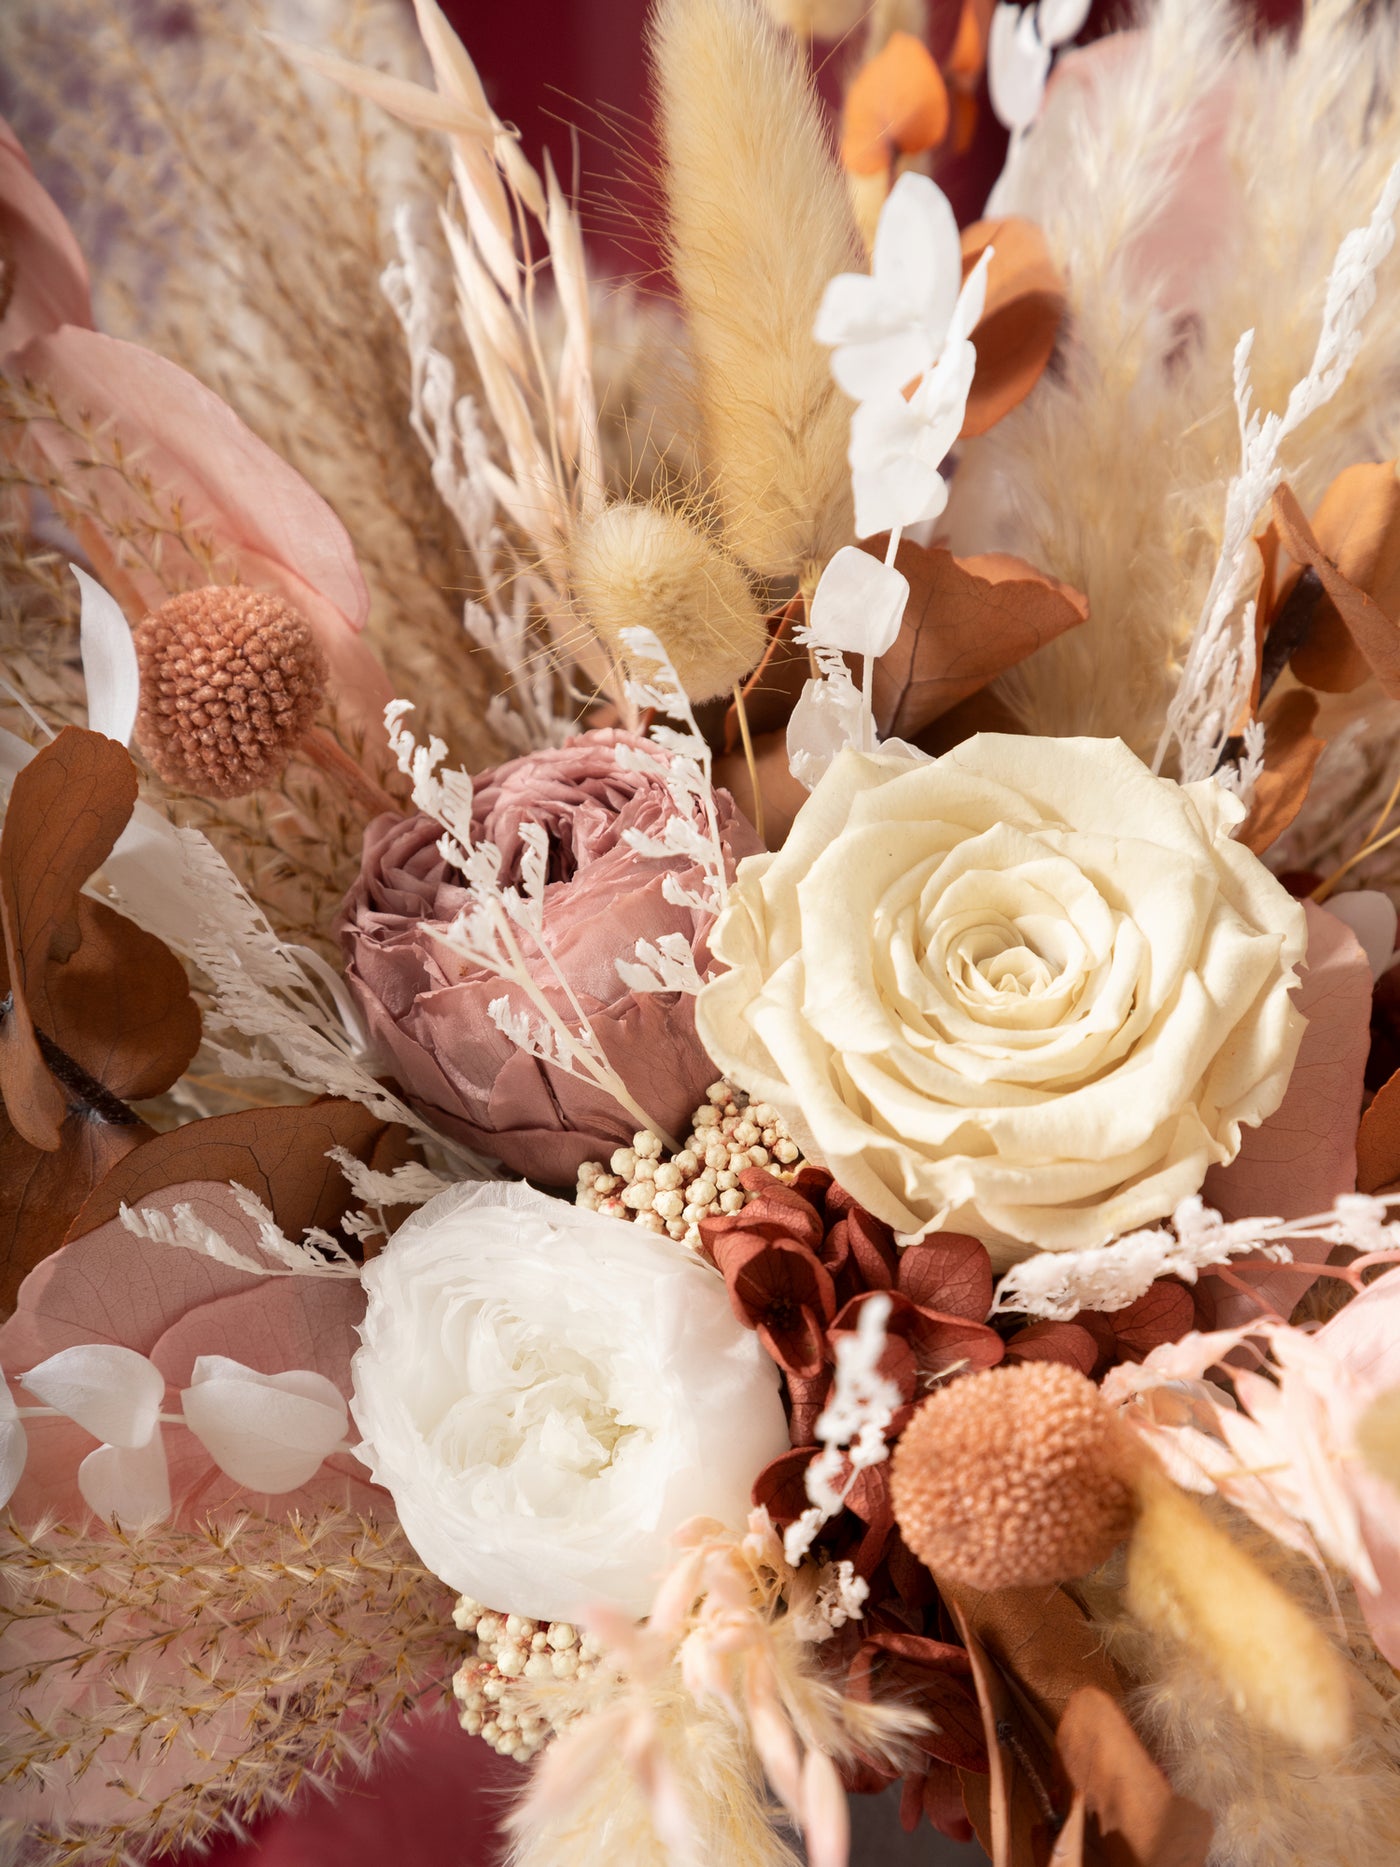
(230, 681)
(641, 567)
(1014, 1478)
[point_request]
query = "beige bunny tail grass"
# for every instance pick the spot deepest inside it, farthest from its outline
(641, 567)
(1273, 1805)
(1187, 1579)
(759, 222)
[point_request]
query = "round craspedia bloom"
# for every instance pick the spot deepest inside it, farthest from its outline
(230, 681)
(1013, 1478)
(640, 567)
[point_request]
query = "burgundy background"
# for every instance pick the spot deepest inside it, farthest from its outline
(572, 75)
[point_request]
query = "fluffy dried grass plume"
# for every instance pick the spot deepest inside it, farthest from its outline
(230, 681)
(639, 567)
(1193, 183)
(759, 222)
(172, 1683)
(1014, 1478)
(1271, 1803)
(1188, 1581)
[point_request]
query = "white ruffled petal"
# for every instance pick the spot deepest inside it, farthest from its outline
(130, 1483)
(859, 604)
(269, 1432)
(111, 1392)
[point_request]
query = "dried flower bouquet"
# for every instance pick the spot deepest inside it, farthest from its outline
(700, 1042)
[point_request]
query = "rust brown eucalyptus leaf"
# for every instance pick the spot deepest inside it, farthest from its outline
(967, 621)
(1025, 306)
(1141, 1821)
(67, 808)
(279, 1154)
(1291, 752)
(1378, 1140)
(1338, 659)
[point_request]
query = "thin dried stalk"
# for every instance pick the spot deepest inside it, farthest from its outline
(168, 1684)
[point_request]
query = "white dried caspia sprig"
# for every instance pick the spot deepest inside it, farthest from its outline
(449, 428)
(664, 965)
(1219, 666)
(541, 469)
(852, 1428)
(1056, 1285)
(317, 1254)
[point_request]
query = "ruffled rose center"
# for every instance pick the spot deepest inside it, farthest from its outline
(539, 1421)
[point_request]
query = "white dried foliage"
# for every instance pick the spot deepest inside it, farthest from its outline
(315, 1255)
(1219, 668)
(1056, 1285)
(851, 1429)
(1193, 182)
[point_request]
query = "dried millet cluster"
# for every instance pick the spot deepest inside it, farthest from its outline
(671, 1194)
(514, 1654)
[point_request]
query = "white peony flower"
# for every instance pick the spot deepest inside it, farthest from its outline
(1027, 990)
(547, 1394)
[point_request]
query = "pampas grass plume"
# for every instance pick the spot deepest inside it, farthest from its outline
(1187, 1580)
(638, 566)
(759, 222)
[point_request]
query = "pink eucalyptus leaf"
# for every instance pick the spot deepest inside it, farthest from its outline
(51, 276)
(1304, 1156)
(174, 1304)
(262, 522)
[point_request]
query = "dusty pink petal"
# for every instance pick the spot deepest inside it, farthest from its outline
(1304, 1156)
(429, 1012)
(268, 527)
(51, 276)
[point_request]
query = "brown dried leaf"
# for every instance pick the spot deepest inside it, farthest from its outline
(967, 621)
(1041, 1638)
(771, 691)
(41, 1189)
(1015, 336)
(277, 1153)
(783, 796)
(1141, 1821)
(1291, 752)
(1335, 659)
(1002, 1806)
(121, 1006)
(1378, 1140)
(1357, 526)
(67, 808)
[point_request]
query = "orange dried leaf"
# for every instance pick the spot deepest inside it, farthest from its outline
(1357, 524)
(967, 621)
(67, 808)
(1378, 1140)
(1336, 659)
(1119, 1785)
(968, 55)
(1020, 321)
(1291, 752)
(897, 105)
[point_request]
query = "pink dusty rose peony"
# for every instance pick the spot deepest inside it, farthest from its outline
(428, 1012)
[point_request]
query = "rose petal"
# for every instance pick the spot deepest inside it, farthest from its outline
(111, 1392)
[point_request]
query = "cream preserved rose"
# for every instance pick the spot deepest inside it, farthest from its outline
(1028, 990)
